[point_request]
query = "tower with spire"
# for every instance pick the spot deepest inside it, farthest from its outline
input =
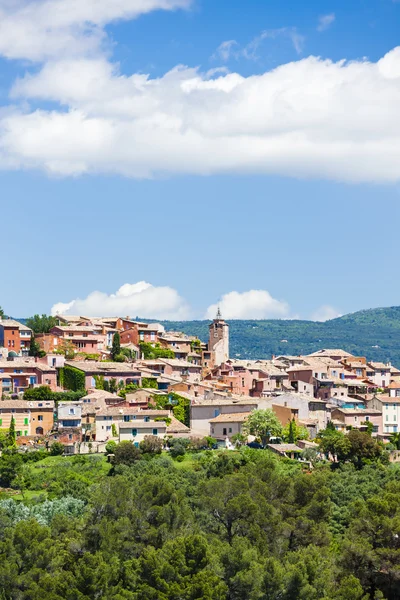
(218, 340)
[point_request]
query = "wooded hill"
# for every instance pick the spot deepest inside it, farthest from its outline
(374, 333)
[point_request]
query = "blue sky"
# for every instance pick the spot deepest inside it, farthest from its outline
(276, 196)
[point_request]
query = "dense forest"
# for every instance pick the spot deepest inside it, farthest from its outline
(211, 525)
(374, 333)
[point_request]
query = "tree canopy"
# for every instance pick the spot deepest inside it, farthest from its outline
(41, 323)
(216, 526)
(263, 424)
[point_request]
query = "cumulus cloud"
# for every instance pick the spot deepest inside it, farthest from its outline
(325, 313)
(135, 299)
(42, 29)
(254, 304)
(308, 118)
(325, 21)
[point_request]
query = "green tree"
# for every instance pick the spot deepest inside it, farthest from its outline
(113, 387)
(56, 449)
(1, 313)
(116, 346)
(151, 444)
(41, 324)
(110, 447)
(126, 454)
(34, 348)
(369, 425)
(11, 434)
(263, 424)
(395, 440)
(293, 432)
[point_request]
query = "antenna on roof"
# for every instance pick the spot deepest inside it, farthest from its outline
(219, 316)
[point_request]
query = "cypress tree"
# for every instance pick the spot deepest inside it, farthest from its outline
(11, 434)
(116, 346)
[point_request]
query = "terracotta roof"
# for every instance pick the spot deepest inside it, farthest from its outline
(331, 352)
(127, 410)
(13, 323)
(285, 447)
(379, 366)
(359, 411)
(230, 418)
(387, 399)
(395, 385)
(176, 426)
(27, 404)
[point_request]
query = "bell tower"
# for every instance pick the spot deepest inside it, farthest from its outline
(218, 340)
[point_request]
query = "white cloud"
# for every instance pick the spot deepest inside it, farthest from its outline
(310, 118)
(226, 50)
(325, 313)
(42, 29)
(325, 21)
(138, 299)
(231, 49)
(254, 304)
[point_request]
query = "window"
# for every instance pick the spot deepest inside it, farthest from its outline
(152, 336)
(26, 421)
(146, 419)
(134, 432)
(71, 411)
(230, 429)
(1, 422)
(216, 412)
(155, 431)
(108, 428)
(367, 418)
(40, 418)
(127, 418)
(387, 417)
(70, 436)
(25, 432)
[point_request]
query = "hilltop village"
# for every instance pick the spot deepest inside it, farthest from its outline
(91, 380)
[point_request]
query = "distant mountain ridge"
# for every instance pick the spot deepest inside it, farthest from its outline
(374, 333)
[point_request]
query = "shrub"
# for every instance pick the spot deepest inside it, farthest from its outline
(56, 449)
(126, 454)
(177, 451)
(151, 445)
(119, 358)
(110, 447)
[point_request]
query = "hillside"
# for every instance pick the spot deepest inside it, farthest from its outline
(374, 333)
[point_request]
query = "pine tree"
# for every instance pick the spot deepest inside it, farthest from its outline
(116, 346)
